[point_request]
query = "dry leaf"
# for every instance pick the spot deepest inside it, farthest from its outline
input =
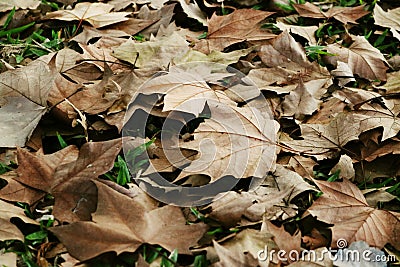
(132, 225)
(344, 205)
(390, 19)
(193, 11)
(97, 14)
(362, 58)
(241, 25)
(307, 32)
(8, 230)
(6, 5)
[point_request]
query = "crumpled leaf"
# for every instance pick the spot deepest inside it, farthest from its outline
(344, 205)
(8, 230)
(6, 5)
(307, 32)
(97, 14)
(133, 223)
(362, 58)
(241, 25)
(342, 14)
(23, 101)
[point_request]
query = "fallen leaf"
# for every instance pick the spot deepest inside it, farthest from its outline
(6, 5)
(344, 205)
(389, 19)
(97, 14)
(342, 14)
(132, 225)
(163, 17)
(241, 25)
(345, 166)
(8, 259)
(8, 230)
(326, 140)
(362, 58)
(193, 11)
(374, 196)
(156, 53)
(308, 32)
(24, 94)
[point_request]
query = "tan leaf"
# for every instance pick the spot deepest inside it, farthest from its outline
(326, 140)
(8, 230)
(374, 196)
(97, 14)
(235, 141)
(193, 11)
(342, 14)
(343, 73)
(241, 25)
(390, 19)
(8, 259)
(163, 17)
(243, 248)
(362, 58)
(307, 32)
(345, 166)
(344, 205)
(132, 225)
(6, 5)
(156, 53)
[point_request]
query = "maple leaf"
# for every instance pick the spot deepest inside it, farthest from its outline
(97, 14)
(390, 19)
(23, 102)
(362, 58)
(122, 224)
(241, 25)
(344, 205)
(342, 14)
(8, 230)
(307, 32)
(66, 175)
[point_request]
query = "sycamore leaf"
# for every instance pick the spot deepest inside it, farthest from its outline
(193, 11)
(342, 14)
(390, 19)
(241, 25)
(8, 230)
(132, 225)
(326, 140)
(344, 205)
(23, 101)
(242, 249)
(307, 32)
(362, 58)
(97, 14)
(6, 5)
(66, 175)
(235, 141)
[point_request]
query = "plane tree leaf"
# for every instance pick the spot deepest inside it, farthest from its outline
(97, 14)
(362, 58)
(344, 205)
(122, 224)
(241, 25)
(66, 175)
(23, 101)
(8, 230)
(6, 5)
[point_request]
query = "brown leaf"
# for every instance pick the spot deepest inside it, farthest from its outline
(242, 249)
(362, 58)
(241, 25)
(326, 140)
(97, 14)
(132, 225)
(8, 230)
(344, 205)
(342, 14)
(390, 19)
